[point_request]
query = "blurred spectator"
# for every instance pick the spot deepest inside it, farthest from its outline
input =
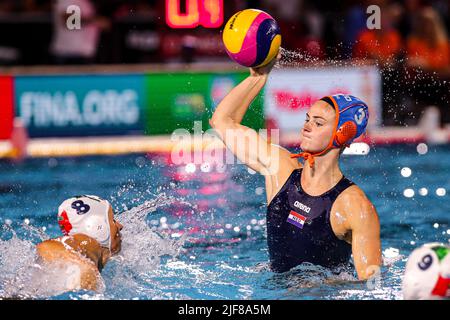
(428, 65)
(428, 44)
(301, 25)
(354, 23)
(135, 31)
(6, 6)
(382, 45)
(412, 47)
(409, 14)
(36, 6)
(443, 7)
(76, 46)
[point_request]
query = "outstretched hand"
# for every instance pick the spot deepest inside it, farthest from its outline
(264, 70)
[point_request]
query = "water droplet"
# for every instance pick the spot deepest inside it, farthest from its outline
(409, 193)
(205, 167)
(406, 172)
(423, 191)
(140, 162)
(422, 148)
(190, 168)
(259, 191)
(52, 162)
(391, 252)
(221, 168)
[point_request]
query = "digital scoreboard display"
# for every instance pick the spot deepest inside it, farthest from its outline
(188, 14)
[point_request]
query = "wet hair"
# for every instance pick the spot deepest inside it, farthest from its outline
(328, 100)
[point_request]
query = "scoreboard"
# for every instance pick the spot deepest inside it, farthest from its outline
(188, 14)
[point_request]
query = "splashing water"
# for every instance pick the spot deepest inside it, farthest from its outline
(293, 58)
(228, 258)
(142, 250)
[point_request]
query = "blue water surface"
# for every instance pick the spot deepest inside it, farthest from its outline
(201, 235)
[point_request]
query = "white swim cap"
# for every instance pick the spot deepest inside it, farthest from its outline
(427, 273)
(88, 215)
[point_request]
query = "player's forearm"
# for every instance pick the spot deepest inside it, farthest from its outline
(234, 106)
(368, 261)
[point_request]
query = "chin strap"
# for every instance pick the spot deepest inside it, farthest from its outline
(305, 155)
(309, 157)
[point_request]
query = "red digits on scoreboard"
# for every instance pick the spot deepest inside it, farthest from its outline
(206, 13)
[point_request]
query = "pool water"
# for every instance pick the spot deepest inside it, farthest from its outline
(202, 234)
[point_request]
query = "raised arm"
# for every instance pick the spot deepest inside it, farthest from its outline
(245, 143)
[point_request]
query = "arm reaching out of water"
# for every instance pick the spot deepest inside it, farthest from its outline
(92, 236)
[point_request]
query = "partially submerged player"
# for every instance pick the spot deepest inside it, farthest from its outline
(91, 237)
(314, 213)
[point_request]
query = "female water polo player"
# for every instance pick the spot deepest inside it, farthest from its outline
(92, 236)
(314, 213)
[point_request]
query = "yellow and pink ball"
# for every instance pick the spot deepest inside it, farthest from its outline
(252, 38)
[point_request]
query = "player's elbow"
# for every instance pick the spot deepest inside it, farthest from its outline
(369, 272)
(213, 122)
(218, 122)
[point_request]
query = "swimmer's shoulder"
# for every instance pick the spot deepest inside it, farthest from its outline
(285, 158)
(58, 251)
(353, 193)
(67, 245)
(351, 197)
(353, 203)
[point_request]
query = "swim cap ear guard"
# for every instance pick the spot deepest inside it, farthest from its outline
(352, 115)
(88, 215)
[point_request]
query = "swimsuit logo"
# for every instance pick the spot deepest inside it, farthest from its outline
(302, 207)
(296, 219)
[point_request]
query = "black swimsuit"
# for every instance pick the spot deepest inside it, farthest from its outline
(299, 229)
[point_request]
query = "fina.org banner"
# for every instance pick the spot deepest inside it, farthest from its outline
(80, 105)
(290, 93)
